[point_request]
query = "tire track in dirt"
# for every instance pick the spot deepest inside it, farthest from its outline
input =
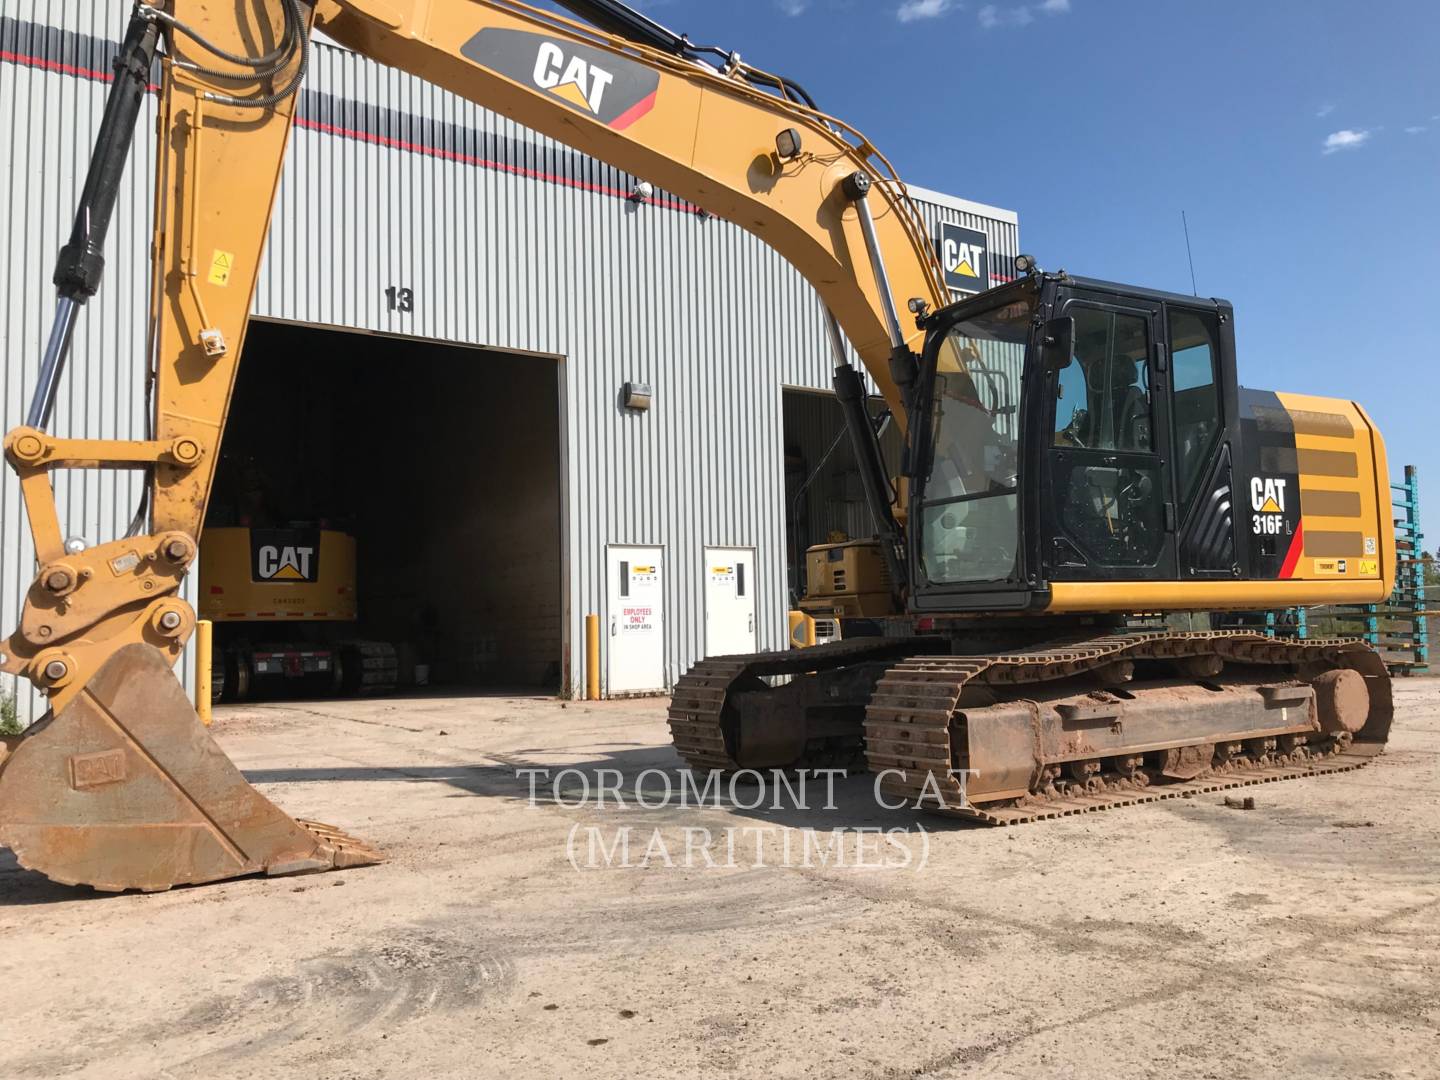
(395, 980)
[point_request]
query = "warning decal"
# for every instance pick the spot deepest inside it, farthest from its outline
(220, 265)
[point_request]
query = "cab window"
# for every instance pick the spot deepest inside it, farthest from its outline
(1103, 397)
(1194, 338)
(1105, 473)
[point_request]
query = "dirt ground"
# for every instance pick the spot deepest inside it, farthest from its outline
(1179, 939)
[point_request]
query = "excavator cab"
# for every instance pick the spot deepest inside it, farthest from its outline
(1077, 441)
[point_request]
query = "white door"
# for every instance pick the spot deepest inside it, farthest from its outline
(635, 634)
(729, 601)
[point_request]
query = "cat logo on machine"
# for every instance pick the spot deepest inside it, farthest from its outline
(965, 258)
(613, 90)
(571, 78)
(285, 555)
(1267, 500)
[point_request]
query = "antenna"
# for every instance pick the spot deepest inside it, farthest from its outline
(1193, 290)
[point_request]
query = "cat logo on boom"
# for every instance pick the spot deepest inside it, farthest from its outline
(599, 83)
(965, 257)
(572, 79)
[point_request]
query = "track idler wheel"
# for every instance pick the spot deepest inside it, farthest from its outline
(1342, 701)
(126, 789)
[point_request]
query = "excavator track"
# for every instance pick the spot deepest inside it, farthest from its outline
(911, 719)
(697, 706)
(914, 713)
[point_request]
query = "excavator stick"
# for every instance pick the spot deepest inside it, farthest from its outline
(125, 789)
(120, 786)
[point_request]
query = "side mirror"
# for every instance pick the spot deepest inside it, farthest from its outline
(1057, 343)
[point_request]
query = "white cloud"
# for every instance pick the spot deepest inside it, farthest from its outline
(1418, 129)
(792, 7)
(991, 16)
(912, 10)
(1345, 140)
(1324, 111)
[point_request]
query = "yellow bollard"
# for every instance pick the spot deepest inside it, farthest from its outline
(592, 657)
(204, 647)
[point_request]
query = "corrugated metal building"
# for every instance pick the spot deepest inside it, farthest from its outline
(509, 243)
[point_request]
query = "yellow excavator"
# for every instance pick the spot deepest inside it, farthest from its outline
(1075, 452)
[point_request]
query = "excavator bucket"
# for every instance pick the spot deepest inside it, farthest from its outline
(125, 789)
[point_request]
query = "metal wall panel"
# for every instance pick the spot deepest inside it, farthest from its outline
(508, 240)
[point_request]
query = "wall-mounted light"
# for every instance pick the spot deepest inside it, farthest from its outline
(636, 395)
(788, 143)
(642, 191)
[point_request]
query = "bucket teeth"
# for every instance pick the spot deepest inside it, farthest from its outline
(344, 850)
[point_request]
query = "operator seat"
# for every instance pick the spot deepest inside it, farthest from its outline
(1120, 415)
(1130, 404)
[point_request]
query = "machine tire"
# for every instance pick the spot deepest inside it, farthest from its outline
(238, 677)
(217, 677)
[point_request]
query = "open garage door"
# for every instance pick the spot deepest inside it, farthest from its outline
(386, 513)
(824, 501)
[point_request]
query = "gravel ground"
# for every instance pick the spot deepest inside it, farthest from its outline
(1179, 939)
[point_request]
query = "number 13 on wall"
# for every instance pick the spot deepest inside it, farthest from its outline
(400, 299)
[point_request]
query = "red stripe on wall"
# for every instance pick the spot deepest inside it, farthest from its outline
(53, 65)
(664, 202)
(484, 163)
(621, 123)
(624, 120)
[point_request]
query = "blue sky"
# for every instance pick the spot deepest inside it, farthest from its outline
(1301, 138)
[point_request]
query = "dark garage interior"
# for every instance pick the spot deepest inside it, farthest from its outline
(443, 463)
(824, 502)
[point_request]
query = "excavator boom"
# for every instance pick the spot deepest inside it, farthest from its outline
(120, 786)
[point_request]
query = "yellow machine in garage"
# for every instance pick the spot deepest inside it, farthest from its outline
(283, 601)
(1075, 451)
(263, 575)
(846, 581)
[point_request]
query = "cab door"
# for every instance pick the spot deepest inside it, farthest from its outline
(1109, 506)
